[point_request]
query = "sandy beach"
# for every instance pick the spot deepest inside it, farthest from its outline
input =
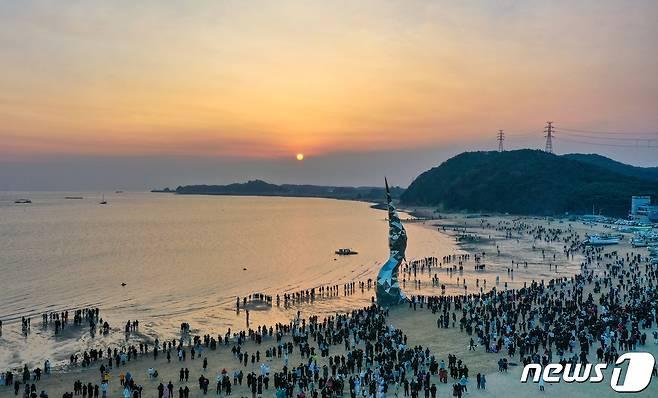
(419, 324)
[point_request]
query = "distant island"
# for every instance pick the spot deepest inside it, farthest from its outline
(262, 188)
(532, 182)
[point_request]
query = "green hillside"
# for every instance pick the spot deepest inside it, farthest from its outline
(526, 182)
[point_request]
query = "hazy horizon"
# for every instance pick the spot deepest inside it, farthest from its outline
(143, 94)
(156, 173)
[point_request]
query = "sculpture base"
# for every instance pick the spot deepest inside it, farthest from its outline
(388, 297)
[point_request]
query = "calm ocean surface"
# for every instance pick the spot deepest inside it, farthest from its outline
(182, 259)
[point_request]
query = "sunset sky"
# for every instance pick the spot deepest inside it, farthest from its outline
(137, 94)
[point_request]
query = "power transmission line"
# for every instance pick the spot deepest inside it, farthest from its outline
(587, 137)
(594, 137)
(609, 132)
(521, 135)
(648, 145)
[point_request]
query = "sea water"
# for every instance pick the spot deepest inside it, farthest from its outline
(182, 259)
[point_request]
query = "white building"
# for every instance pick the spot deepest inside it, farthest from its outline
(647, 213)
(642, 210)
(637, 202)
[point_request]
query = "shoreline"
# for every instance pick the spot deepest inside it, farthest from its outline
(417, 324)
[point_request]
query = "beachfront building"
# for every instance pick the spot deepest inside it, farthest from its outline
(639, 201)
(647, 213)
(642, 210)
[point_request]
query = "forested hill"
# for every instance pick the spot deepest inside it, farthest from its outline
(262, 188)
(530, 182)
(649, 173)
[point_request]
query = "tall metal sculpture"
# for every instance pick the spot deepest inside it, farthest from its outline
(388, 288)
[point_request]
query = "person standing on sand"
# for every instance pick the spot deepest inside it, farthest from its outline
(462, 383)
(457, 390)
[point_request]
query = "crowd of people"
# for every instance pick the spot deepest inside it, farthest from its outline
(357, 352)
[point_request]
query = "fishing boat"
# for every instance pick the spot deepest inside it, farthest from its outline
(634, 228)
(638, 242)
(345, 252)
(601, 240)
(22, 201)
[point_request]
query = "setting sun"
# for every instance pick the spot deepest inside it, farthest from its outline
(300, 156)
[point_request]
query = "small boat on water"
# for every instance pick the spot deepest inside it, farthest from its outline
(467, 238)
(634, 228)
(103, 201)
(22, 201)
(345, 252)
(74, 197)
(601, 240)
